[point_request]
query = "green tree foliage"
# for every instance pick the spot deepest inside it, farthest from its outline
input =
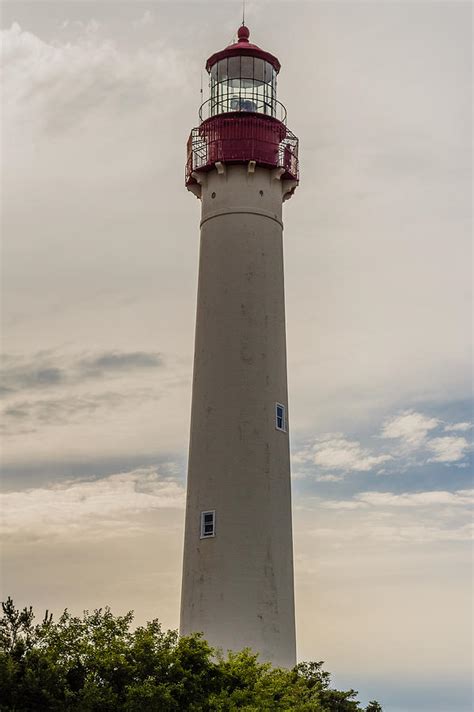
(98, 663)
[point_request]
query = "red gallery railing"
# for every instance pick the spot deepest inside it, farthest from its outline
(240, 137)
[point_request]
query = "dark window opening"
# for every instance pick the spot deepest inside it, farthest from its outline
(280, 421)
(208, 524)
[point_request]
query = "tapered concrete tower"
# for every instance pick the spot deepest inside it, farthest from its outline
(238, 554)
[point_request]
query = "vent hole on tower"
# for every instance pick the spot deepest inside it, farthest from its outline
(261, 193)
(213, 195)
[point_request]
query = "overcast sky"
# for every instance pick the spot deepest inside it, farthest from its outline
(100, 254)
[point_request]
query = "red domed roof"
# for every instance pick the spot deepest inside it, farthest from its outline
(243, 48)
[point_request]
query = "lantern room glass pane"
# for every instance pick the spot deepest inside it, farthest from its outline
(247, 68)
(234, 67)
(259, 70)
(268, 72)
(222, 70)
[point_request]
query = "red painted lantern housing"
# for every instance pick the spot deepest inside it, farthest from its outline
(242, 120)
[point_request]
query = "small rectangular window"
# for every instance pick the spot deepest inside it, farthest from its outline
(208, 524)
(280, 420)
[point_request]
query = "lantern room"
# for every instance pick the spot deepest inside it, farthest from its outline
(242, 78)
(242, 121)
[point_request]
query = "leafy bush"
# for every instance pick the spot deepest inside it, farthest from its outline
(97, 663)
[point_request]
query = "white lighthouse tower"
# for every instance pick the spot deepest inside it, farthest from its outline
(238, 556)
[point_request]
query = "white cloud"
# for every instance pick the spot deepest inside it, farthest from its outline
(402, 534)
(329, 478)
(145, 20)
(461, 427)
(298, 474)
(410, 427)
(417, 499)
(341, 504)
(448, 449)
(62, 83)
(411, 447)
(105, 505)
(397, 518)
(405, 500)
(334, 452)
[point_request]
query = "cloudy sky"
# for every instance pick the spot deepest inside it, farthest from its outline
(100, 251)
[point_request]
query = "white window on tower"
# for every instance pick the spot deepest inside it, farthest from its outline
(280, 419)
(208, 524)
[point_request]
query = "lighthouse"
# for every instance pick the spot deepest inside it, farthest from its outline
(242, 164)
